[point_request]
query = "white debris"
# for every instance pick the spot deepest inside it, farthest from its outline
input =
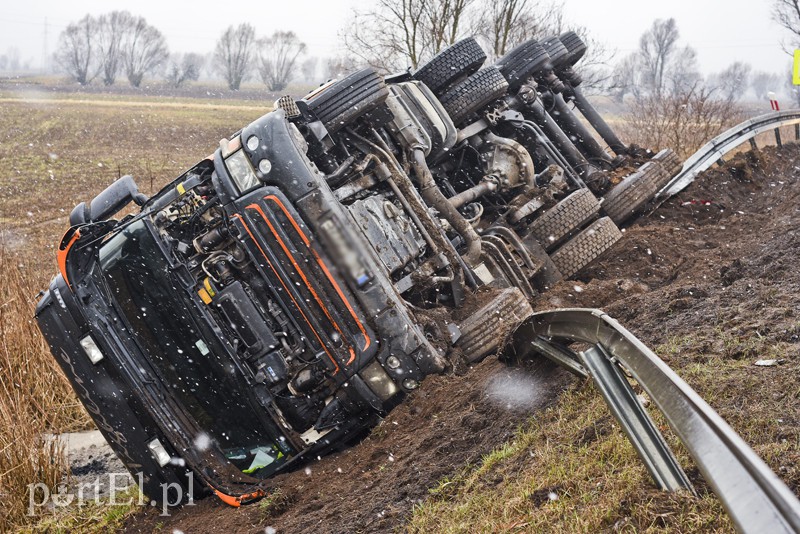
(202, 441)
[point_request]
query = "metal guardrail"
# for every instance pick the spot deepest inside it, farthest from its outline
(713, 151)
(754, 497)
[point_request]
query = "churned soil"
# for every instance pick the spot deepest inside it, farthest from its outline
(713, 273)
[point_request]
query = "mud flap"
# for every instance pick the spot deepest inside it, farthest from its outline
(754, 497)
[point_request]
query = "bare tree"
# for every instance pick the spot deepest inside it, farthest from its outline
(278, 58)
(397, 33)
(672, 105)
(498, 22)
(682, 73)
(309, 69)
(660, 66)
(656, 48)
(77, 50)
(144, 50)
(625, 78)
(505, 24)
(112, 29)
(682, 121)
(233, 55)
(390, 35)
(183, 68)
(787, 14)
(444, 24)
(732, 82)
(764, 82)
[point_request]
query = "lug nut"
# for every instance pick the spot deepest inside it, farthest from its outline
(409, 383)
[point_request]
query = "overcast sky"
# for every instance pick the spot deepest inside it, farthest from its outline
(721, 31)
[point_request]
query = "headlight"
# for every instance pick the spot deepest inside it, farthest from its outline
(241, 171)
(91, 350)
(159, 452)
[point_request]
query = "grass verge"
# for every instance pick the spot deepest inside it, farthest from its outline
(521, 486)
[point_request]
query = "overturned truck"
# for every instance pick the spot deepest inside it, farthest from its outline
(282, 295)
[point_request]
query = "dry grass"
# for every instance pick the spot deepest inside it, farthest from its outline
(34, 397)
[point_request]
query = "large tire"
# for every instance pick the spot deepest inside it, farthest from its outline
(557, 51)
(460, 60)
(345, 100)
(571, 214)
(473, 94)
(575, 46)
(670, 163)
(481, 332)
(522, 62)
(633, 193)
(582, 249)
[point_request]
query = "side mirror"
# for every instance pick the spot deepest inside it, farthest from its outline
(110, 201)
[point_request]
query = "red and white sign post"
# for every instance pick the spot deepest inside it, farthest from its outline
(773, 101)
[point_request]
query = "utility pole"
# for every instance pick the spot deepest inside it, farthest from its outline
(45, 62)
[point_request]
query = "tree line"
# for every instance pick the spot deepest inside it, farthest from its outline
(118, 43)
(394, 34)
(400, 34)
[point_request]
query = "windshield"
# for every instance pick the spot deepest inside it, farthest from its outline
(207, 384)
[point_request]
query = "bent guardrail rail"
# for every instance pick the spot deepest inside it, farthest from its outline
(714, 150)
(752, 494)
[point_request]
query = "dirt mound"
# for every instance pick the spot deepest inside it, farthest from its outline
(712, 274)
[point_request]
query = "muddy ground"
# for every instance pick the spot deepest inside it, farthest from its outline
(715, 271)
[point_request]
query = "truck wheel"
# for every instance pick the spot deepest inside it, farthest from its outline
(345, 100)
(670, 163)
(575, 46)
(634, 192)
(483, 332)
(582, 249)
(559, 55)
(474, 93)
(521, 62)
(570, 214)
(461, 59)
